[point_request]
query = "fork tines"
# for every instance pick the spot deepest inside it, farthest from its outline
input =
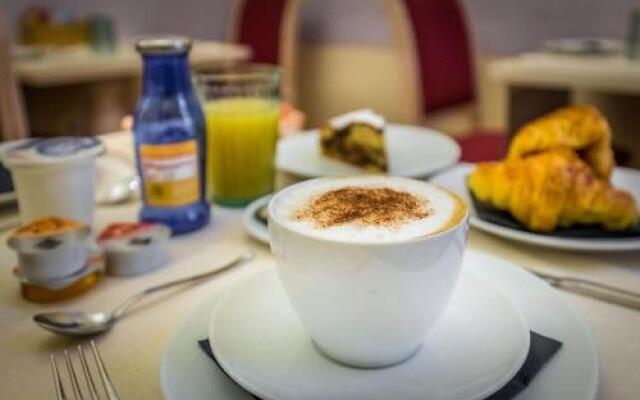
(87, 389)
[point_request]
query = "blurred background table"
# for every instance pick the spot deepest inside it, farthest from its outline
(99, 89)
(79, 64)
(536, 83)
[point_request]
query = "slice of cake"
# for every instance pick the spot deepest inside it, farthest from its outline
(356, 138)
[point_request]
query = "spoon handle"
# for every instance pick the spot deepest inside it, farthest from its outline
(119, 311)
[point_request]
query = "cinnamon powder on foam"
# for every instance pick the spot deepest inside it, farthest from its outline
(382, 207)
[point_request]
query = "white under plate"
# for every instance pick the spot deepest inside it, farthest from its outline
(477, 346)
(412, 151)
(255, 227)
(7, 198)
(628, 179)
(572, 374)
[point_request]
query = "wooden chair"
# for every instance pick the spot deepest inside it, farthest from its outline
(434, 47)
(13, 121)
(270, 29)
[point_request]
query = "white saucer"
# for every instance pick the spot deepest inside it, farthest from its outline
(255, 227)
(628, 179)
(477, 346)
(413, 151)
(572, 374)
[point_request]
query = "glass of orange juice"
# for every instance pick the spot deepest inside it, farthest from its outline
(241, 107)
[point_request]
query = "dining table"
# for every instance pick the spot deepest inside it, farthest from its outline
(134, 348)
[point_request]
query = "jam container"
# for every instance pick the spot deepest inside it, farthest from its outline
(67, 287)
(50, 249)
(56, 260)
(134, 248)
(54, 176)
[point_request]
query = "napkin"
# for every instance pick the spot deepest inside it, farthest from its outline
(541, 350)
(488, 213)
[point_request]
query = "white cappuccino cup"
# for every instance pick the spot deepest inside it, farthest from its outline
(368, 295)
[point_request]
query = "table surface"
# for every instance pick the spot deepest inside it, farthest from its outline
(613, 73)
(78, 64)
(134, 349)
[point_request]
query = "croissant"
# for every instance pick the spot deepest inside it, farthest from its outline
(581, 128)
(550, 189)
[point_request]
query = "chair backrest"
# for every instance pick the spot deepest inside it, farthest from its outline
(13, 121)
(270, 29)
(433, 35)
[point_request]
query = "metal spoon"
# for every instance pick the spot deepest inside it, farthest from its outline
(79, 323)
(120, 192)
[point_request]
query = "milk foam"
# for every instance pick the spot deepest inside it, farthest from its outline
(443, 205)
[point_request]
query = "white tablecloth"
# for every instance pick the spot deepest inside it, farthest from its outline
(133, 350)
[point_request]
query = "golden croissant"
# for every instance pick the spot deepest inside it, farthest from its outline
(550, 189)
(557, 174)
(581, 128)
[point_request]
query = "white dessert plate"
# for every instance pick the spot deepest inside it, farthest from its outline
(254, 226)
(628, 179)
(477, 346)
(412, 151)
(572, 374)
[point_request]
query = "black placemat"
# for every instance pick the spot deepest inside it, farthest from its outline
(541, 350)
(488, 213)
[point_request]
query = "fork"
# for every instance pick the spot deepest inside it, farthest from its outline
(90, 385)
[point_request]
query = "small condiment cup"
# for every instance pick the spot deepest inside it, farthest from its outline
(50, 257)
(67, 287)
(134, 248)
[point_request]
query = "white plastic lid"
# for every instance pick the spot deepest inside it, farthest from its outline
(46, 151)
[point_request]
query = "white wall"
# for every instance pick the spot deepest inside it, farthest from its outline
(500, 26)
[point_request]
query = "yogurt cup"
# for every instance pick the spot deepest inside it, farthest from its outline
(54, 176)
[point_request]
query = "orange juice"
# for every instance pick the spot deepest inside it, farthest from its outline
(241, 143)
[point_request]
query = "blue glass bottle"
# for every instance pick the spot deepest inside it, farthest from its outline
(170, 138)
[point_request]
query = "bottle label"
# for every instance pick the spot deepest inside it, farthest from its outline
(170, 173)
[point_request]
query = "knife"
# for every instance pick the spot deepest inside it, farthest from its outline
(596, 290)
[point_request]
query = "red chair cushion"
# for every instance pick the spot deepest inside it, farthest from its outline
(482, 145)
(259, 28)
(443, 52)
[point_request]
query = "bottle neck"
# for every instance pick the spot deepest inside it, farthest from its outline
(166, 75)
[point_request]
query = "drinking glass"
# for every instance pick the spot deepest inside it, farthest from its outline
(241, 107)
